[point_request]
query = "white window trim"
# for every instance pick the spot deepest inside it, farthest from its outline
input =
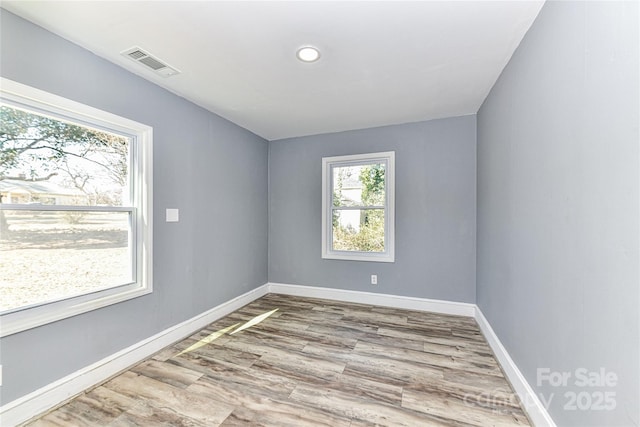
(31, 317)
(327, 195)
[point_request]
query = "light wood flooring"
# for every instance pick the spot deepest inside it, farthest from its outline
(292, 361)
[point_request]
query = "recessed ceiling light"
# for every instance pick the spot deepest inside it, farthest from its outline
(308, 54)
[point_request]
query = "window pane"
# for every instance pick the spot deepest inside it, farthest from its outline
(361, 185)
(51, 255)
(48, 161)
(358, 230)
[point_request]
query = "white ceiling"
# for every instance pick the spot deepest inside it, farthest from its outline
(382, 63)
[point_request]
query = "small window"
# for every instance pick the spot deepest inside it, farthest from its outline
(358, 207)
(75, 208)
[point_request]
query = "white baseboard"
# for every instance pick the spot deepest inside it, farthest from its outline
(395, 301)
(51, 395)
(531, 403)
(41, 400)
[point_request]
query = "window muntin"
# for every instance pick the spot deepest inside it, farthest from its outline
(358, 205)
(75, 209)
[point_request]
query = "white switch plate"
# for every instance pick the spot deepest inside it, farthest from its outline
(173, 215)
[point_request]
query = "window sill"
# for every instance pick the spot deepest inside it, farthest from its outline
(362, 256)
(12, 323)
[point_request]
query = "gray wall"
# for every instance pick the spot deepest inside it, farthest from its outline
(435, 210)
(558, 204)
(213, 170)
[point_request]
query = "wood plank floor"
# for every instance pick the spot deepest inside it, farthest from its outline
(291, 361)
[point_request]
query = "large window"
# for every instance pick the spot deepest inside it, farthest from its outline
(75, 208)
(358, 207)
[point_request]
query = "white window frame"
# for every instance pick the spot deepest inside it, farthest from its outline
(141, 211)
(328, 163)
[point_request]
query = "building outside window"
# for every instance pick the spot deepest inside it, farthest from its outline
(358, 207)
(75, 208)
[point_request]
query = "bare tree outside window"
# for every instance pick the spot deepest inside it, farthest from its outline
(52, 244)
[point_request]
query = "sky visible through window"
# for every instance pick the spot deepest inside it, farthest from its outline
(48, 254)
(38, 148)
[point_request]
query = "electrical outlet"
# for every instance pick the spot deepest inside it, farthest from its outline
(0, 374)
(374, 279)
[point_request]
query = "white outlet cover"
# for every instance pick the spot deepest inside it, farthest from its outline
(173, 215)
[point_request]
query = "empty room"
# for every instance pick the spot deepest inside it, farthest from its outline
(319, 213)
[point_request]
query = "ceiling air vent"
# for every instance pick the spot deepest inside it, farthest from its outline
(138, 55)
